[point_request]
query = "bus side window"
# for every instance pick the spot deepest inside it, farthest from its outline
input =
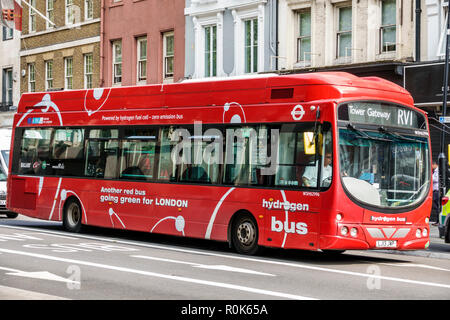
(102, 150)
(67, 151)
(34, 152)
(296, 157)
(138, 154)
(166, 167)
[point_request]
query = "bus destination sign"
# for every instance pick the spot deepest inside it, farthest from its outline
(381, 114)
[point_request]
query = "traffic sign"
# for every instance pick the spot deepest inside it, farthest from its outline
(444, 119)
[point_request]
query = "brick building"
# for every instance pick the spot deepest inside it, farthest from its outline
(64, 56)
(143, 42)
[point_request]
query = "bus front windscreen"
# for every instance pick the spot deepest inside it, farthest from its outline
(384, 167)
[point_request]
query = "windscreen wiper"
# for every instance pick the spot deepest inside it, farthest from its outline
(364, 135)
(398, 136)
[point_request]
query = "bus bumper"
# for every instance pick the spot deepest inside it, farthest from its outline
(382, 237)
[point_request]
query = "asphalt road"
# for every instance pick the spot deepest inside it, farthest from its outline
(38, 260)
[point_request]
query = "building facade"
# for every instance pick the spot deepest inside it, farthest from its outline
(10, 74)
(142, 42)
(65, 55)
(230, 37)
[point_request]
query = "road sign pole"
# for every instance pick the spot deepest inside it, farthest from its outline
(442, 159)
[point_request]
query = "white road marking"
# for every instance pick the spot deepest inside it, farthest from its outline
(43, 275)
(163, 276)
(261, 260)
(414, 265)
(9, 293)
(205, 266)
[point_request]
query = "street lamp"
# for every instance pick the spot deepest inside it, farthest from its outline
(442, 158)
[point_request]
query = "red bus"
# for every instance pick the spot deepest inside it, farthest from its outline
(318, 161)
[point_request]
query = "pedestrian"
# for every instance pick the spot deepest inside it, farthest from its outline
(435, 207)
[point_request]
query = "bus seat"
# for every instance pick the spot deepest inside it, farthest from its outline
(111, 167)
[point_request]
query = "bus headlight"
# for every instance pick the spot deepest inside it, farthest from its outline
(354, 232)
(339, 217)
(418, 233)
(425, 232)
(344, 231)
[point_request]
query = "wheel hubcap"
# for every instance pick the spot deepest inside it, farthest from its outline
(246, 233)
(73, 214)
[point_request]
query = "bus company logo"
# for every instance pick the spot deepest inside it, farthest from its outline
(288, 227)
(298, 112)
(35, 120)
(284, 205)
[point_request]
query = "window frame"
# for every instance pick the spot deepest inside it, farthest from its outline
(301, 37)
(48, 75)
(383, 28)
(116, 64)
(32, 77)
(252, 46)
(68, 73)
(340, 33)
(168, 56)
(88, 75)
(49, 13)
(141, 61)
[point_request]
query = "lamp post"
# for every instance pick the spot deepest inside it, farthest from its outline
(442, 158)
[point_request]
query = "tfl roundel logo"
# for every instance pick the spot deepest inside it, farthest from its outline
(298, 112)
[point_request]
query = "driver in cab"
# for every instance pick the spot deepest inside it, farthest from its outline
(310, 176)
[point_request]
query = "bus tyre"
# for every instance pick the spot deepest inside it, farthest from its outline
(72, 216)
(244, 235)
(12, 215)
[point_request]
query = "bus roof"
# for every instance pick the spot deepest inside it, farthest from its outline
(269, 88)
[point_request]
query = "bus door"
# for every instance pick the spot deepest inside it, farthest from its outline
(304, 171)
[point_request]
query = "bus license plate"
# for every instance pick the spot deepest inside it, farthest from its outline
(386, 244)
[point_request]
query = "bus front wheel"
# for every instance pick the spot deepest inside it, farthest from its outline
(244, 234)
(72, 216)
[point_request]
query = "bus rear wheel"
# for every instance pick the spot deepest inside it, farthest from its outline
(72, 216)
(244, 235)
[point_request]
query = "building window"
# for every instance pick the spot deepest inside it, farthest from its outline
(88, 9)
(48, 74)
(251, 46)
(141, 59)
(49, 9)
(68, 73)
(70, 12)
(388, 27)
(304, 36)
(344, 33)
(210, 51)
(117, 62)
(88, 71)
(8, 33)
(168, 54)
(32, 17)
(31, 78)
(7, 91)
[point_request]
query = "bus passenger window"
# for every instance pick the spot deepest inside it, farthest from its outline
(67, 152)
(245, 155)
(166, 167)
(34, 152)
(138, 154)
(296, 164)
(102, 154)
